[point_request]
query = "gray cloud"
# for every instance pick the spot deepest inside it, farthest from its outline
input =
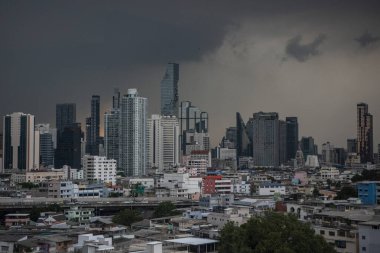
(303, 52)
(367, 39)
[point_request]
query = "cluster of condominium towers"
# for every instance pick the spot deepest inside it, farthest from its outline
(139, 142)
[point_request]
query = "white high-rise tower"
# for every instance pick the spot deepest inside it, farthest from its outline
(133, 146)
(163, 141)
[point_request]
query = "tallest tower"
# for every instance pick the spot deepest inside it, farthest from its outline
(364, 133)
(169, 90)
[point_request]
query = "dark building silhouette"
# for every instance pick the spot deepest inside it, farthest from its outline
(68, 151)
(351, 146)
(291, 137)
(364, 133)
(242, 141)
(307, 146)
(94, 126)
(282, 141)
(65, 115)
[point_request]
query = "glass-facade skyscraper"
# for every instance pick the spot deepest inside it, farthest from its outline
(111, 129)
(169, 90)
(65, 116)
(291, 137)
(266, 139)
(93, 138)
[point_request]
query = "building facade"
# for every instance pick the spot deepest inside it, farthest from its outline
(266, 139)
(99, 169)
(163, 142)
(20, 142)
(364, 133)
(169, 90)
(133, 141)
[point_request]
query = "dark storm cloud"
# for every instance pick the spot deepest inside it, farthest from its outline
(367, 39)
(304, 51)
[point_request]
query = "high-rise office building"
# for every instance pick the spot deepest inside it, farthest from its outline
(266, 139)
(88, 135)
(191, 118)
(364, 133)
(68, 151)
(307, 146)
(291, 137)
(282, 141)
(48, 140)
(111, 128)
(65, 116)
(328, 156)
(133, 146)
(243, 142)
(169, 90)
(163, 142)
(116, 99)
(351, 145)
(93, 139)
(20, 142)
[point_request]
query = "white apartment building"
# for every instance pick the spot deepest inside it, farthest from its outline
(198, 167)
(242, 188)
(369, 235)
(99, 169)
(329, 173)
(180, 185)
(163, 141)
(238, 215)
(267, 189)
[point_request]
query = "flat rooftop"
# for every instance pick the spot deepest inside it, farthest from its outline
(192, 241)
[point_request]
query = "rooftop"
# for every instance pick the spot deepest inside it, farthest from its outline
(192, 241)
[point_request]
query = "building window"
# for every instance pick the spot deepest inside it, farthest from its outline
(322, 232)
(331, 233)
(363, 237)
(364, 249)
(340, 244)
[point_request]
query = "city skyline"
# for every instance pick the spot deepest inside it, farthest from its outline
(286, 59)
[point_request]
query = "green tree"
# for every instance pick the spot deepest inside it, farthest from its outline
(272, 232)
(34, 214)
(347, 192)
(166, 208)
(127, 217)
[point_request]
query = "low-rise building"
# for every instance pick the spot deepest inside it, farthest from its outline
(99, 169)
(37, 176)
(16, 219)
(369, 192)
(267, 189)
(79, 214)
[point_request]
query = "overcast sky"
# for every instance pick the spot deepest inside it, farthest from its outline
(311, 59)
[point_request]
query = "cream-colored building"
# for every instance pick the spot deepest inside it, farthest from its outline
(38, 176)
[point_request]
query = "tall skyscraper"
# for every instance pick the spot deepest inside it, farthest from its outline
(68, 151)
(191, 118)
(364, 133)
(163, 142)
(20, 142)
(169, 90)
(133, 146)
(351, 145)
(307, 146)
(266, 139)
(282, 141)
(242, 140)
(291, 137)
(111, 129)
(93, 134)
(48, 140)
(65, 116)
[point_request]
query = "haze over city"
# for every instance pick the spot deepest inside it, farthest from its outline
(314, 60)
